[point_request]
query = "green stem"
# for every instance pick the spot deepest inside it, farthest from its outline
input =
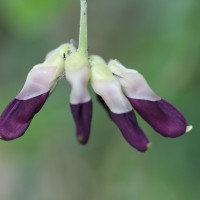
(83, 48)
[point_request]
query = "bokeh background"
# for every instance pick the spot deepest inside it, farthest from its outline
(159, 38)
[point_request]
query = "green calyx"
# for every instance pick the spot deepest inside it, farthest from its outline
(99, 70)
(116, 67)
(57, 56)
(76, 61)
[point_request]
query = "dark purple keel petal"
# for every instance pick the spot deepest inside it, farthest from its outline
(162, 116)
(17, 116)
(127, 123)
(82, 114)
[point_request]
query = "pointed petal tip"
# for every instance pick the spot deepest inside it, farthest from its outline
(149, 145)
(188, 128)
(146, 148)
(82, 140)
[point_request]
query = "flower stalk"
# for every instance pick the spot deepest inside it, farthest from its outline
(77, 73)
(83, 46)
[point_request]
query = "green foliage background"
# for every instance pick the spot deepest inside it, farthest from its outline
(159, 38)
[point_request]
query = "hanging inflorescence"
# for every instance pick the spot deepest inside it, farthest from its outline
(118, 89)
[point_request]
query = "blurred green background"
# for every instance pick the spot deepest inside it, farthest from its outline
(159, 38)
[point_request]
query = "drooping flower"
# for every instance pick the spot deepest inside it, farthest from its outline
(109, 90)
(77, 73)
(39, 84)
(117, 88)
(159, 113)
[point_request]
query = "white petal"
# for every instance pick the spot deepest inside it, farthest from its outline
(77, 73)
(43, 77)
(78, 80)
(39, 81)
(133, 83)
(108, 87)
(111, 93)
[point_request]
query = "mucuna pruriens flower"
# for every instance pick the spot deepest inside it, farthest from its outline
(119, 109)
(17, 116)
(40, 82)
(77, 73)
(159, 113)
(118, 90)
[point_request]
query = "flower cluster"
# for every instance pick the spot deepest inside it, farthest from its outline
(118, 89)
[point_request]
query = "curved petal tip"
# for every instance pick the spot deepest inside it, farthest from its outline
(149, 145)
(188, 128)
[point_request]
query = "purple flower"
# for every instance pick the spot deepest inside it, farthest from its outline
(120, 111)
(40, 82)
(17, 116)
(159, 113)
(77, 73)
(119, 89)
